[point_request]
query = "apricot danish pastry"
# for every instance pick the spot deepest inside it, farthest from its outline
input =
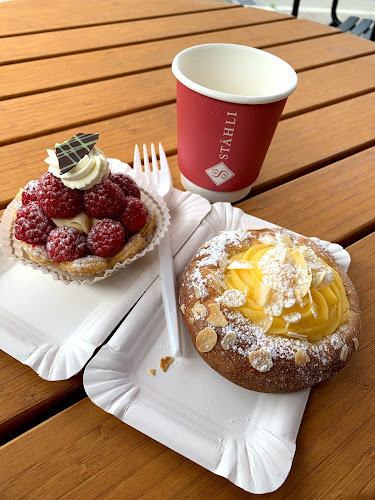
(269, 310)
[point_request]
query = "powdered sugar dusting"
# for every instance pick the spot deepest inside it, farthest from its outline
(240, 264)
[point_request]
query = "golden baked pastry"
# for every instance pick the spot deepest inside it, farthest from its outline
(269, 310)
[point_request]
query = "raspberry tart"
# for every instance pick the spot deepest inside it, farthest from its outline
(79, 216)
(269, 310)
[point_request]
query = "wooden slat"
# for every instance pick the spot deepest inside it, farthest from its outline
(85, 452)
(41, 15)
(339, 196)
(26, 398)
(75, 106)
(330, 84)
(300, 144)
(314, 139)
(75, 455)
(41, 45)
(41, 75)
(340, 47)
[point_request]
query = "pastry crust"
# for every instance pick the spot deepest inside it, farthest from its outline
(92, 264)
(248, 356)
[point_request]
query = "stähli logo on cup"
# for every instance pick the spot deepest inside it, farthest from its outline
(220, 173)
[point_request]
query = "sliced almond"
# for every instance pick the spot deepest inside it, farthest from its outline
(228, 340)
(317, 278)
(165, 362)
(216, 317)
(263, 294)
(298, 296)
(183, 308)
(261, 360)
(197, 292)
(297, 336)
(344, 352)
(199, 309)
(223, 261)
(152, 371)
(217, 282)
(234, 298)
(356, 343)
(304, 286)
(298, 258)
(327, 279)
(301, 358)
(206, 340)
(287, 240)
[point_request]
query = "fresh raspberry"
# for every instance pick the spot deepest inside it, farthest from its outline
(32, 224)
(104, 200)
(127, 184)
(58, 200)
(106, 238)
(134, 215)
(66, 243)
(30, 192)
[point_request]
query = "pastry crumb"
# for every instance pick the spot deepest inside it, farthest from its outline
(152, 372)
(165, 362)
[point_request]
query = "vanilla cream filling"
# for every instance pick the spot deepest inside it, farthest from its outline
(82, 222)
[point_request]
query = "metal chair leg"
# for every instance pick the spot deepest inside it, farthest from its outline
(295, 8)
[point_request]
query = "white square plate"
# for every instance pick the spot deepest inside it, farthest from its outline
(245, 436)
(55, 328)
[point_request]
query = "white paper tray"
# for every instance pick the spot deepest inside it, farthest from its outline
(245, 436)
(54, 328)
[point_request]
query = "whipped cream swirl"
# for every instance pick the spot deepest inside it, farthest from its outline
(89, 171)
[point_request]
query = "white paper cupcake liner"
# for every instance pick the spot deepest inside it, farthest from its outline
(13, 247)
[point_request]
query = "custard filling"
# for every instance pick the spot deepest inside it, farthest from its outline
(290, 291)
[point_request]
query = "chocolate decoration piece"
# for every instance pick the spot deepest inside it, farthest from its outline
(71, 152)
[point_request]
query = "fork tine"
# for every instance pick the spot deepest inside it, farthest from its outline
(146, 165)
(137, 165)
(164, 162)
(155, 166)
(162, 152)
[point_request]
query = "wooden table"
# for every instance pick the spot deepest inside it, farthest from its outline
(104, 66)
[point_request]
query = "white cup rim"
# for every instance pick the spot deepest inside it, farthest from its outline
(222, 96)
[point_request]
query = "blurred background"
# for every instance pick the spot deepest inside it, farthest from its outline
(316, 10)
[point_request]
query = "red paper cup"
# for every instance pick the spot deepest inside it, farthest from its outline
(229, 102)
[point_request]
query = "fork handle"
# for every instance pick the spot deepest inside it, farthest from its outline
(168, 290)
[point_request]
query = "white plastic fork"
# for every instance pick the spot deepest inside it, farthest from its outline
(161, 181)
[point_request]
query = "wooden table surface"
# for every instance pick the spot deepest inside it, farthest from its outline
(104, 65)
